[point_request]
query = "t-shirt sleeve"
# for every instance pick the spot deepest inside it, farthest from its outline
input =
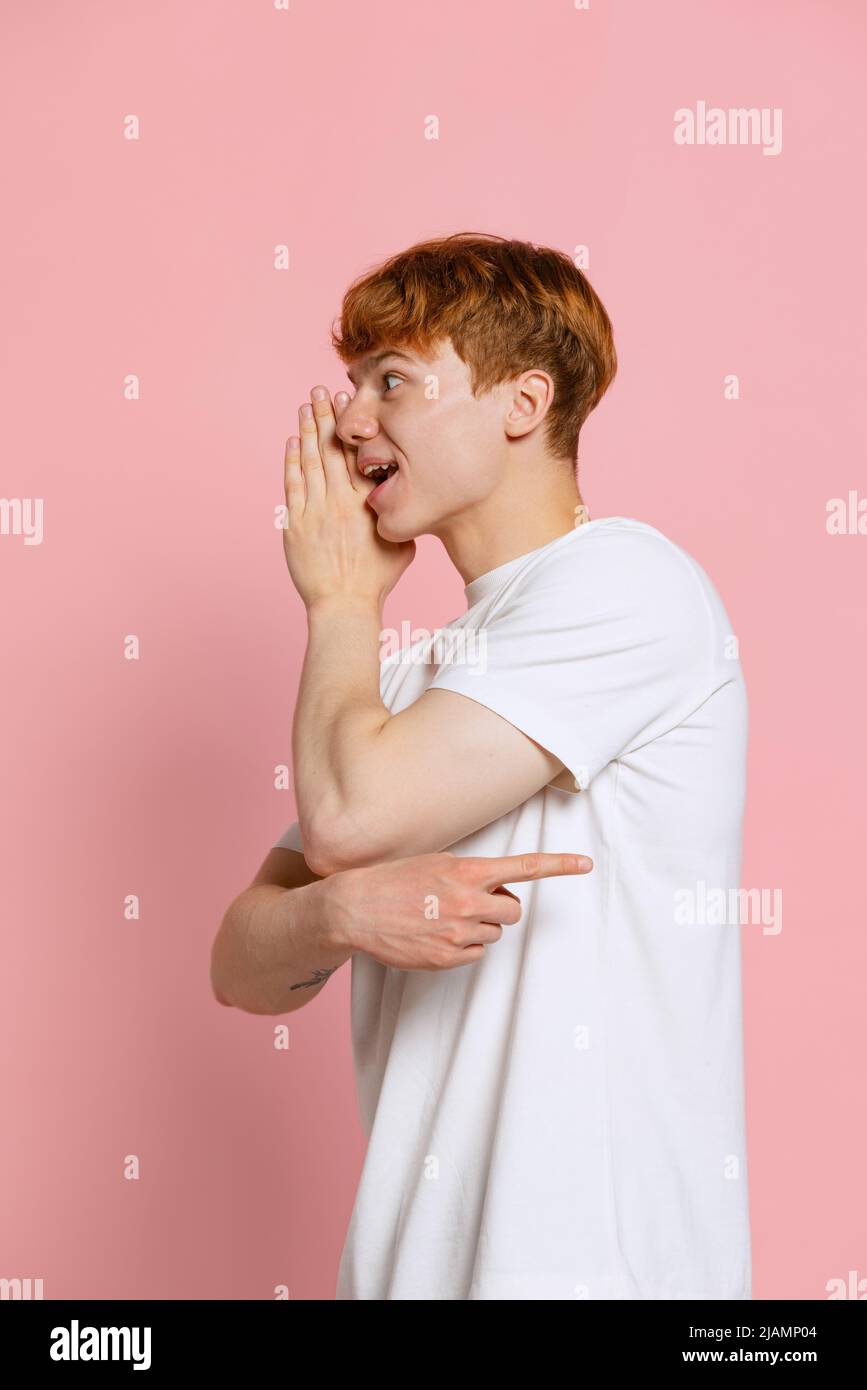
(291, 839)
(603, 645)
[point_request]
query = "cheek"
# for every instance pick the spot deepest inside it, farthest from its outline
(468, 468)
(450, 450)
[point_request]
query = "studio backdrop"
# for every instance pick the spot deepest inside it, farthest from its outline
(189, 189)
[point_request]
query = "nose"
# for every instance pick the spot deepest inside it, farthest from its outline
(356, 423)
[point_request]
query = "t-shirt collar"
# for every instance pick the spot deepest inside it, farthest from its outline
(487, 584)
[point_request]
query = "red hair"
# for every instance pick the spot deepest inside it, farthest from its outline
(507, 306)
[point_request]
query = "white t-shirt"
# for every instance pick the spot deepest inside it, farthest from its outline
(565, 1118)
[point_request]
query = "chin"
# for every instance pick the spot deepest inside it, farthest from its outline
(392, 529)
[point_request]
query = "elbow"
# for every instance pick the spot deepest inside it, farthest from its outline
(325, 858)
(217, 973)
(333, 844)
(217, 991)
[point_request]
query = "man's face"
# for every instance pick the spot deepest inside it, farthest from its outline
(420, 413)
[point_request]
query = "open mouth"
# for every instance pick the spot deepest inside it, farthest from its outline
(379, 472)
(382, 476)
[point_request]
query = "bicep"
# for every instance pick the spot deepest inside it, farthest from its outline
(448, 766)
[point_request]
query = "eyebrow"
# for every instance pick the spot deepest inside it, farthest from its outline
(368, 363)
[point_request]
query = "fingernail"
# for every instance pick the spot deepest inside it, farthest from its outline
(319, 393)
(584, 862)
(306, 410)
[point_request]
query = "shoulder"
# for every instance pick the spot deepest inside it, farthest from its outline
(616, 559)
(621, 587)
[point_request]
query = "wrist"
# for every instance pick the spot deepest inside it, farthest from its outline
(329, 605)
(325, 914)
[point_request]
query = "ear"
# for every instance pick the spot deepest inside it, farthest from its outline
(528, 402)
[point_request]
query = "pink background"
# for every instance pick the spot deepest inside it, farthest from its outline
(155, 777)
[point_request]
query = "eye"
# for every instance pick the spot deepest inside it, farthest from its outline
(385, 377)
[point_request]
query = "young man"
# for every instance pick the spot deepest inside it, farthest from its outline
(552, 1092)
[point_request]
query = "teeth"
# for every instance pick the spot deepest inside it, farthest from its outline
(387, 469)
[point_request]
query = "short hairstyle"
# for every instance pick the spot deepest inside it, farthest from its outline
(507, 306)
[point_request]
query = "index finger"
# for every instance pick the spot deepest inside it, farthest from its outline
(520, 868)
(334, 459)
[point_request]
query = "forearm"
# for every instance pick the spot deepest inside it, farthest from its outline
(339, 717)
(275, 949)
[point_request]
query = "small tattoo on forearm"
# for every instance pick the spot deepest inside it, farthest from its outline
(318, 978)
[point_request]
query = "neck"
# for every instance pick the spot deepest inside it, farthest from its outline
(512, 522)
